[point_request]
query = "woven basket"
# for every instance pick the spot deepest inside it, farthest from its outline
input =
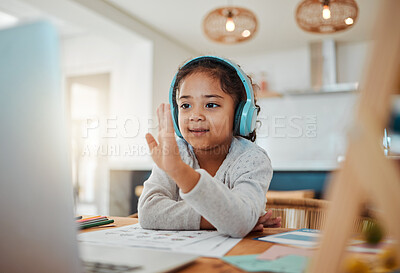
(307, 213)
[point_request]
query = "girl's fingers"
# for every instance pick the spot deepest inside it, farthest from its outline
(160, 114)
(268, 214)
(272, 222)
(262, 219)
(161, 122)
(168, 119)
(265, 217)
(165, 118)
(258, 227)
(151, 142)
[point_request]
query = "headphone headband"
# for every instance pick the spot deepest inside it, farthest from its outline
(245, 116)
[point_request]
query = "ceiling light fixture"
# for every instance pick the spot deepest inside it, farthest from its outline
(326, 16)
(246, 33)
(230, 25)
(349, 21)
(326, 12)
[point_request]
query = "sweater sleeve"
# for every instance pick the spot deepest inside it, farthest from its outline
(233, 211)
(160, 208)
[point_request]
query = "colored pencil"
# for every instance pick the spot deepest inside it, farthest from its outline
(101, 223)
(94, 220)
(90, 218)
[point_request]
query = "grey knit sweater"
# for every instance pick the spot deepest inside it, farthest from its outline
(232, 200)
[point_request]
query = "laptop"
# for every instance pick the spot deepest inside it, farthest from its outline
(37, 230)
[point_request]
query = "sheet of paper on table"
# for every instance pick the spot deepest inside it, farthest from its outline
(201, 242)
(309, 238)
(287, 264)
(304, 237)
(278, 251)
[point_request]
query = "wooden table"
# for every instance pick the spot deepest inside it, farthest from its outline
(244, 247)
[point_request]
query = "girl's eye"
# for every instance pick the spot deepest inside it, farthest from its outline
(211, 105)
(185, 105)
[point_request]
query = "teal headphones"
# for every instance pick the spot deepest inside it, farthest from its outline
(246, 111)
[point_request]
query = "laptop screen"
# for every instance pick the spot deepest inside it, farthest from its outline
(36, 201)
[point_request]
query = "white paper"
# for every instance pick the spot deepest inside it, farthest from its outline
(201, 242)
(308, 238)
(214, 247)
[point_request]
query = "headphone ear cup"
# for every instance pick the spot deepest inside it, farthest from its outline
(238, 116)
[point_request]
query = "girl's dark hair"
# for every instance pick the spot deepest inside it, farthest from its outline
(227, 76)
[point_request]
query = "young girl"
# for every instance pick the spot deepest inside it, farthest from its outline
(211, 177)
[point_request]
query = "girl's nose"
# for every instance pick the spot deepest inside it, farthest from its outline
(196, 115)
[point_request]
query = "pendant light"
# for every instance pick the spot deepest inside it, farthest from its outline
(326, 16)
(230, 25)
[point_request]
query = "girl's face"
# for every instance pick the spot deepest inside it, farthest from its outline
(206, 112)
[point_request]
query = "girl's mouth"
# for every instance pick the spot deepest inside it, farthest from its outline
(198, 132)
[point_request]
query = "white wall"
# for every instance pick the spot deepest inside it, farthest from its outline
(129, 98)
(141, 63)
(351, 60)
(168, 54)
(285, 70)
(283, 118)
(148, 62)
(306, 132)
(290, 69)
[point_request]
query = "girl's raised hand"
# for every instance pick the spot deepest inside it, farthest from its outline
(165, 153)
